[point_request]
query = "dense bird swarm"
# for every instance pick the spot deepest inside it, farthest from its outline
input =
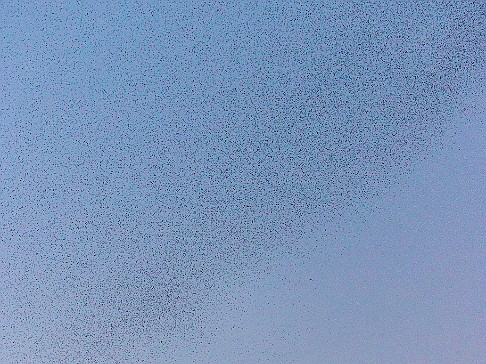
(151, 151)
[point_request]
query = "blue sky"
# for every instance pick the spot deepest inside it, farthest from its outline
(161, 161)
(401, 283)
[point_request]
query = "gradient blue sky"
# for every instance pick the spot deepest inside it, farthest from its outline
(403, 283)
(264, 181)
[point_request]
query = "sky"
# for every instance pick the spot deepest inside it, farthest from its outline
(242, 182)
(400, 282)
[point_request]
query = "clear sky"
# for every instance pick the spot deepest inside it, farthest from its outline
(403, 283)
(242, 181)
